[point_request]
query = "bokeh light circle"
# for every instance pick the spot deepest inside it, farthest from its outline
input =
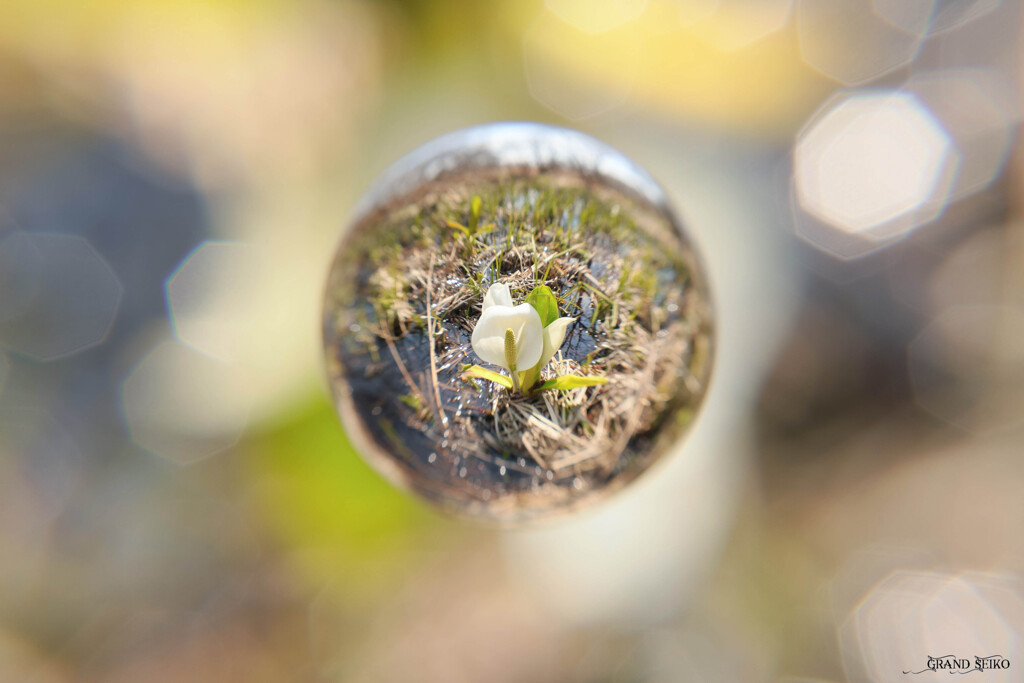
(60, 296)
(873, 165)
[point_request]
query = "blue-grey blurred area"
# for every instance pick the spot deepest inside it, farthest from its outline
(178, 501)
(91, 231)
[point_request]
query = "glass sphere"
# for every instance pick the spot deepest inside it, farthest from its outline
(515, 323)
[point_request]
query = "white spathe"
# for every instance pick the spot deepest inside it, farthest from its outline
(498, 294)
(554, 335)
(500, 315)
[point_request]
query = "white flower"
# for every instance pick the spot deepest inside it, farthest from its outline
(498, 294)
(554, 335)
(516, 339)
(491, 333)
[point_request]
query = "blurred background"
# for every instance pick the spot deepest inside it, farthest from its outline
(179, 503)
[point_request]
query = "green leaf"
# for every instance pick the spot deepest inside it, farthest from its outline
(412, 400)
(569, 382)
(474, 213)
(528, 378)
(544, 301)
(457, 226)
(484, 373)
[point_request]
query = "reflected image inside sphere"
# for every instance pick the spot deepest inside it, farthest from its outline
(593, 323)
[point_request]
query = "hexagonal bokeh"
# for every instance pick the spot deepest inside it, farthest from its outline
(913, 16)
(738, 23)
(874, 165)
(515, 325)
(210, 298)
(869, 565)
(979, 270)
(60, 296)
(923, 622)
(41, 463)
(670, 16)
(550, 47)
(928, 17)
(972, 106)
(680, 13)
(184, 406)
(596, 16)
(967, 367)
(848, 41)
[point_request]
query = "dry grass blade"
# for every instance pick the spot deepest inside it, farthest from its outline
(433, 352)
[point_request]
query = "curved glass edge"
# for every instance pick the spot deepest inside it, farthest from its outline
(507, 144)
